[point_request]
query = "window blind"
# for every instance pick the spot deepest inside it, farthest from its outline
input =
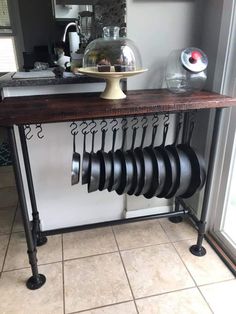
(4, 15)
(7, 55)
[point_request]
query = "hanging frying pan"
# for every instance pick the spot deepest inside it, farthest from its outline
(116, 172)
(127, 166)
(175, 154)
(157, 167)
(75, 166)
(94, 169)
(105, 164)
(139, 161)
(85, 161)
(198, 172)
(165, 182)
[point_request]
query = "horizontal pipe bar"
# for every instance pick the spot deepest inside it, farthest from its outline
(114, 222)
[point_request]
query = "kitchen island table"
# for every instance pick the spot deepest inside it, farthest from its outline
(23, 111)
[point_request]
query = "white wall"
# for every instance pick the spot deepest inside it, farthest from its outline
(158, 27)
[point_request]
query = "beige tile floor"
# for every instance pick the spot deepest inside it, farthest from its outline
(144, 267)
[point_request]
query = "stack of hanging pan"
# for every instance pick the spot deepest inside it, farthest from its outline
(161, 171)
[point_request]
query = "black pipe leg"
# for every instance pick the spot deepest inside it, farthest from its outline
(36, 280)
(39, 239)
(176, 219)
(198, 249)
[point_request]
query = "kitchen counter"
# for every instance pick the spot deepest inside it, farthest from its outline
(69, 78)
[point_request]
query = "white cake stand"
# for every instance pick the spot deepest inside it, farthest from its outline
(112, 90)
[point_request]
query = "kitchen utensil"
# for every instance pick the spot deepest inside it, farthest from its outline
(127, 165)
(198, 172)
(75, 166)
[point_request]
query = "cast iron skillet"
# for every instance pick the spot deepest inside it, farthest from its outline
(139, 160)
(94, 169)
(198, 172)
(105, 164)
(75, 166)
(165, 181)
(116, 169)
(175, 164)
(127, 168)
(134, 179)
(154, 178)
(86, 156)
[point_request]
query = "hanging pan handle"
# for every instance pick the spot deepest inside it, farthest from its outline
(192, 125)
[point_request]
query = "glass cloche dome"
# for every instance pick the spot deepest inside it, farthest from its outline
(112, 53)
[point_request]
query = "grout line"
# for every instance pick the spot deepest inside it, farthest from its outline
(63, 275)
(100, 307)
(26, 267)
(10, 235)
(125, 271)
(192, 277)
(216, 282)
(82, 257)
(163, 293)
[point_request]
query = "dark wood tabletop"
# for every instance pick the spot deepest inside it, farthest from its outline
(73, 107)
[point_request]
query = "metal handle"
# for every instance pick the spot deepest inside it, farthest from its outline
(143, 136)
(114, 139)
(165, 131)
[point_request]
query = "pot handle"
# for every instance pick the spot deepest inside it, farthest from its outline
(192, 125)
(165, 131)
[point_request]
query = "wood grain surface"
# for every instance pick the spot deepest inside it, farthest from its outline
(73, 107)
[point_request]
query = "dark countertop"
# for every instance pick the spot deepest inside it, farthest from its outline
(7, 80)
(73, 107)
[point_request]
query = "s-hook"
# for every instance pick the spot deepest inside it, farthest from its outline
(114, 127)
(166, 119)
(74, 128)
(104, 125)
(28, 130)
(39, 133)
(155, 120)
(94, 125)
(134, 125)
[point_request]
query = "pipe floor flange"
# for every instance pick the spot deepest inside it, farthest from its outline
(36, 282)
(41, 240)
(176, 220)
(197, 250)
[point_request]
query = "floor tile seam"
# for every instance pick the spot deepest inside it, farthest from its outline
(100, 307)
(8, 243)
(83, 257)
(144, 246)
(165, 232)
(28, 267)
(192, 277)
(164, 293)
(126, 274)
(216, 282)
(63, 275)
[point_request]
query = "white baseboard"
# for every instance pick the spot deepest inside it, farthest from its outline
(147, 211)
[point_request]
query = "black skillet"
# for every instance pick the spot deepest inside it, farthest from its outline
(85, 162)
(105, 164)
(94, 169)
(165, 182)
(174, 152)
(198, 172)
(154, 178)
(127, 168)
(138, 156)
(116, 169)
